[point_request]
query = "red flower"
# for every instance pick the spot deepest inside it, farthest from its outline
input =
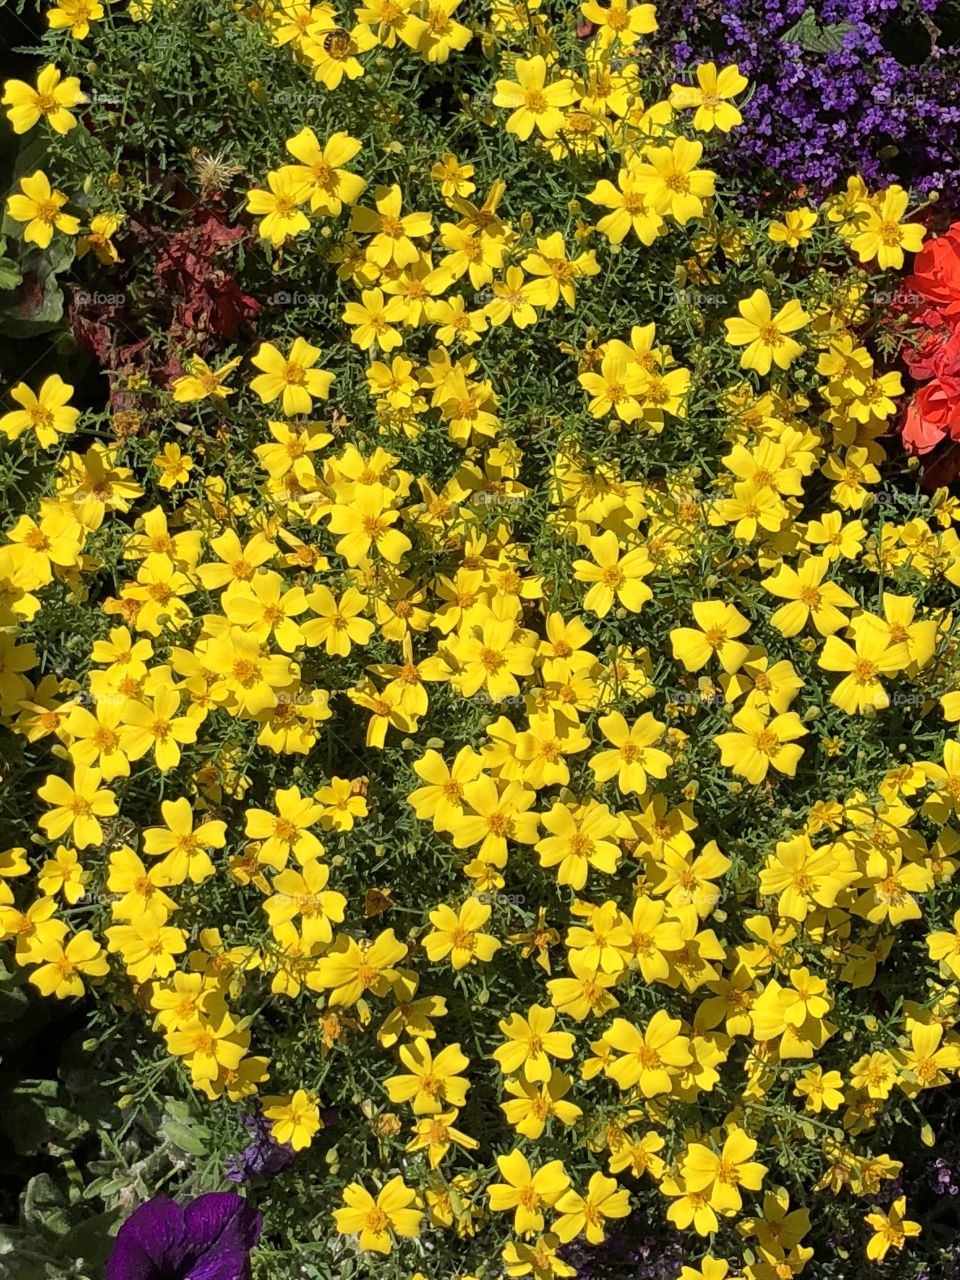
(933, 414)
(936, 271)
(935, 355)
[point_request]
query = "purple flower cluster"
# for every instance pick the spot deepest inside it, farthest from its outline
(839, 86)
(944, 1179)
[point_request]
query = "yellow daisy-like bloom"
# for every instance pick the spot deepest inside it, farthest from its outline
(884, 237)
(533, 103)
(456, 934)
(764, 334)
(47, 412)
(278, 207)
(377, 1221)
(710, 97)
(40, 207)
(291, 377)
(891, 1230)
(49, 101)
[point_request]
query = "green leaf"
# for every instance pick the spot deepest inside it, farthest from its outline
(190, 1138)
(10, 275)
(809, 35)
(90, 1240)
(45, 1206)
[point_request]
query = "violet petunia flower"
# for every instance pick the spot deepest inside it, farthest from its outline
(208, 1239)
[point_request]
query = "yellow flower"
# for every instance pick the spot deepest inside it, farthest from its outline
(872, 655)
(630, 208)
(670, 181)
(351, 970)
(538, 1259)
(39, 206)
(710, 1268)
(291, 377)
(765, 334)
(376, 1221)
(47, 412)
(97, 240)
(373, 319)
(75, 15)
(555, 272)
(819, 1089)
(365, 523)
(614, 576)
(147, 947)
(649, 1059)
(621, 22)
(710, 97)
(431, 1082)
(60, 967)
(884, 237)
(294, 1118)
(442, 34)
(49, 101)
(891, 1230)
(454, 176)
(526, 1191)
(456, 934)
(287, 831)
(281, 218)
(761, 744)
(719, 624)
(393, 233)
(63, 873)
(436, 1134)
(811, 599)
(580, 837)
(183, 844)
(586, 1214)
(174, 466)
(76, 807)
(532, 102)
(796, 227)
(634, 757)
(329, 184)
(532, 1105)
(531, 1043)
(720, 1175)
(200, 382)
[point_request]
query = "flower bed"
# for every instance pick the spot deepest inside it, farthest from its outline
(479, 672)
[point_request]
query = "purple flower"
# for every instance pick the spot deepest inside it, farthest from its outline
(208, 1239)
(837, 87)
(263, 1156)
